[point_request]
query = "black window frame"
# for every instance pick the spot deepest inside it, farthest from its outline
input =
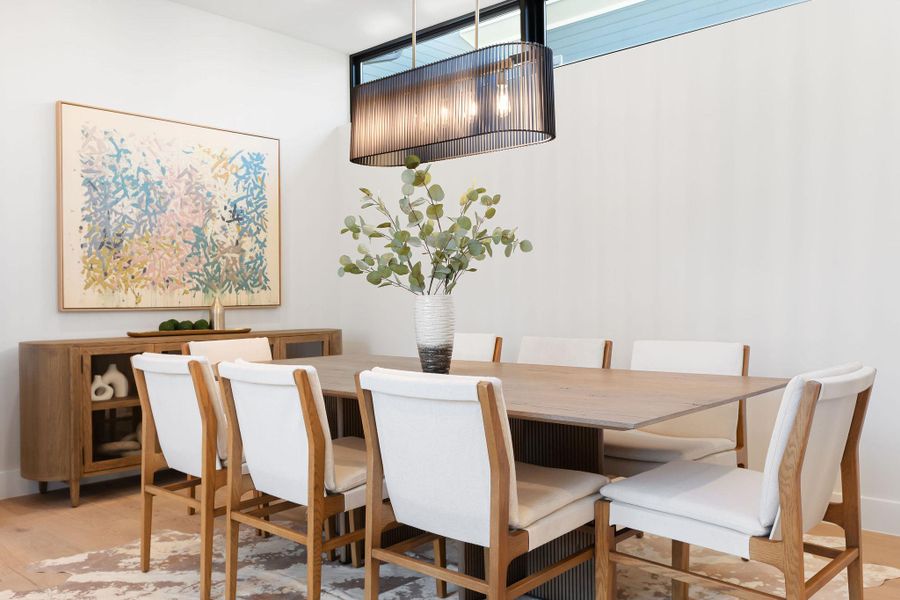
(531, 19)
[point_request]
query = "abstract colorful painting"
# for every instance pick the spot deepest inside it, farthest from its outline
(161, 214)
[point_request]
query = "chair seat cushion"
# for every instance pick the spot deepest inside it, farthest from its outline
(349, 463)
(724, 496)
(543, 490)
(655, 447)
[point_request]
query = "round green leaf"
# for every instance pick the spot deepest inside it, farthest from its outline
(526, 246)
(408, 189)
(408, 176)
(436, 192)
(435, 211)
(464, 222)
(489, 213)
(345, 260)
(374, 278)
(412, 161)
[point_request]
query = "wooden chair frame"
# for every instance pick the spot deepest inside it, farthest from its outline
(740, 438)
(256, 511)
(786, 554)
(498, 349)
(504, 544)
(211, 479)
(607, 354)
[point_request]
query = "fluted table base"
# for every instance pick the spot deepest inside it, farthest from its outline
(549, 445)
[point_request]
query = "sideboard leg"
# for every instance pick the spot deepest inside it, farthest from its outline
(42, 487)
(75, 492)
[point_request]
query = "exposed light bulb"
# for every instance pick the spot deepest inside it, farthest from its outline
(502, 100)
(502, 95)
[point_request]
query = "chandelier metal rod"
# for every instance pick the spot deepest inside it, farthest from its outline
(477, 17)
(477, 21)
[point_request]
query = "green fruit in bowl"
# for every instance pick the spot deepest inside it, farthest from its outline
(167, 326)
(201, 324)
(184, 325)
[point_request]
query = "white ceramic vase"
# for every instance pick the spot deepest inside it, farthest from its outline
(116, 380)
(435, 325)
(99, 390)
(217, 314)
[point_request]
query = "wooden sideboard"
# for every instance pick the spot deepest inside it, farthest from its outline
(62, 429)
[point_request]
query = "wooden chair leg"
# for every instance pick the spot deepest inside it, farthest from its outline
(604, 543)
(146, 523)
(330, 533)
(852, 523)
(681, 559)
(794, 572)
(355, 549)
(314, 526)
(497, 570)
(207, 529)
(232, 536)
(855, 577)
(192, 492)
(256, 495)
(42, 487)
(372, 574)
(440, 560)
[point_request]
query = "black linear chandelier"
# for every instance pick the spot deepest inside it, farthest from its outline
(490, 99)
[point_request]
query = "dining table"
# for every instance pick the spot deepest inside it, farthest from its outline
(557, 418)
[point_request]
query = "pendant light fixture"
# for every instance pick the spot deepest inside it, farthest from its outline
(490, 99)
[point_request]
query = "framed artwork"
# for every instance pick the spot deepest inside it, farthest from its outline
(160, 214)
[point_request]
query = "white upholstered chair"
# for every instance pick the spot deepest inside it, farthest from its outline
(216, 351)
(717, 435)
(565, 352)
(279, 423)
(443, 447)
(485, 347)
(756, 515)
(182, 409)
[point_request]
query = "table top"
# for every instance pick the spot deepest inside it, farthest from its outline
(600, 398)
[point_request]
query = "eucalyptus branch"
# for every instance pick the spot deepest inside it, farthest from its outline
(446, 248)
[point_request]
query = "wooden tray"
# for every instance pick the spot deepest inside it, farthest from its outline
(141, 334)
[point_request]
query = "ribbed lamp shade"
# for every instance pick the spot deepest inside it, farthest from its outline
(491, 99)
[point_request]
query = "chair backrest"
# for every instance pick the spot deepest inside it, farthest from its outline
(477, 346)
(216, 351)
(711, 358)
(272, 427)
(565, 352)
(828, 434)
(434, 451)
(173, 396)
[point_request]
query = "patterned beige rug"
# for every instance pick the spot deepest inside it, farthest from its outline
(272, 568)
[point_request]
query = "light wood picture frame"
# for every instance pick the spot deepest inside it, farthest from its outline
(158, 214)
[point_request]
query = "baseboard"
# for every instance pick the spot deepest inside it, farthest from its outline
(879, 514)
(12, 485)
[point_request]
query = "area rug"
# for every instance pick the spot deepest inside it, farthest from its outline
(273, 568)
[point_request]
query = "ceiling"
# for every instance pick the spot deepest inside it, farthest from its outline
(344, 25)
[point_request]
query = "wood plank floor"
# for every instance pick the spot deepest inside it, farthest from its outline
(33, 528)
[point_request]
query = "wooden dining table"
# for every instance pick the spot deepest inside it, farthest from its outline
(557, 417)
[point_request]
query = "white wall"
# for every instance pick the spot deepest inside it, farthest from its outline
(737, 183)
(163, 59)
